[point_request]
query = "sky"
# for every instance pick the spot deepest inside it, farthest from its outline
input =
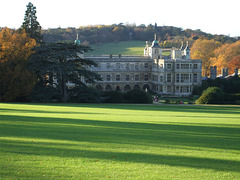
(210, 16)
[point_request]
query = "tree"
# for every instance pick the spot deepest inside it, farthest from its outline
(212, 95)
(204, 49)
(31, 25)
(16, 82)
(226, 56)
(62, 61)
(234, 63)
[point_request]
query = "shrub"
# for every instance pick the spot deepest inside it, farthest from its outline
(84, 95)
(212, 95)
(45, 94)
(112, 97)
(138, 96)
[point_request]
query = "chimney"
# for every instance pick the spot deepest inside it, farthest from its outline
(224, 72)
(236, 72)
(213, 72)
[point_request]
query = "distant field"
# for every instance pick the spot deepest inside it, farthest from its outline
(122, 47)
(118, 141)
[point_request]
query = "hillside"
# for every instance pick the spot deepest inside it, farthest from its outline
(168, 36)
(122, 47)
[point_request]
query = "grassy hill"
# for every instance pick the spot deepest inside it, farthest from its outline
(121, 47)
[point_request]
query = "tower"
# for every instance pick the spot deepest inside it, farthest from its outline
(186, 52)
(77, 41)
(155, 51)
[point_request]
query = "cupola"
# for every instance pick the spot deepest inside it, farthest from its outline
(77, 41)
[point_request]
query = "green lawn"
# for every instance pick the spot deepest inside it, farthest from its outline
(111, 141)
(121, 47)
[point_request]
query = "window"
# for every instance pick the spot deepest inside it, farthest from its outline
(127, 77)
(184, 78)
(161, 65)
(145, 65)
(118, 65)
(178, 66)
(108, 65)
(122, 65)
(127, 66)
(161, 78)
(177, 78)
(195, 66)
(169, 77)
(177, 88)
(136, 77)
(155, 78)
(184, 89)
(169, 66)
(137, 66)
(117, 77)
(146, 77)
(108, 77)
(184, 66)
(195, 78)
(169, 89)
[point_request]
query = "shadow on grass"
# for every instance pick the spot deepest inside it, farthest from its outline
(27, 148)
(149, 134)
(172, 135)
(142, 107)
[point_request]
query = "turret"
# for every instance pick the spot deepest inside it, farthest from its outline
(155, 50)
(187, 52)
(77, 41)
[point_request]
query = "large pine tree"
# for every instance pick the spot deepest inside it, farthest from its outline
(31, 25)
(62, 60)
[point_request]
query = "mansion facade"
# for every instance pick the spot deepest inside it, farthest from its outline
(176, 74)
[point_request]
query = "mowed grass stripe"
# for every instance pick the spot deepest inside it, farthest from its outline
(118, 141)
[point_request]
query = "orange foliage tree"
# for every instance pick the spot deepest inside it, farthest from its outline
(204, 49)
(226, 56)
(16, 82)
(234, 63)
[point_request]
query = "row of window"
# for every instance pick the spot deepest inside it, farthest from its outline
(126, 66)
(136, 66)
(127, 77)
(180, 78)
(183, 66)
(169, 89)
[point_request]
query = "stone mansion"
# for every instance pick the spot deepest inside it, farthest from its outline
(173, 75)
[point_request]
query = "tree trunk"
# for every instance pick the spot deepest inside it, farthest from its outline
(64, 90)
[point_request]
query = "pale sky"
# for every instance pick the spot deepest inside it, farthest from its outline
(211, 16)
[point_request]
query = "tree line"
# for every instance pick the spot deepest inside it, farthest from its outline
(168, 36)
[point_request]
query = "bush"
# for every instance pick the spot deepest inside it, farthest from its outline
(212, 95)
(45, 94)
(84, 95)
(138, 96)
(112, 97)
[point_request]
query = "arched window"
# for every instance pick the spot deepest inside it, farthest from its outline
(118, 88)
(108, 88)
(99, 87)
(127, 88)
(136, 86)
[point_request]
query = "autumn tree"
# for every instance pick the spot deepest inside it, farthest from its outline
(62, 60)
(226, 56)
(16, 82)
(204, 49)
(234, 63)
(31, 25)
